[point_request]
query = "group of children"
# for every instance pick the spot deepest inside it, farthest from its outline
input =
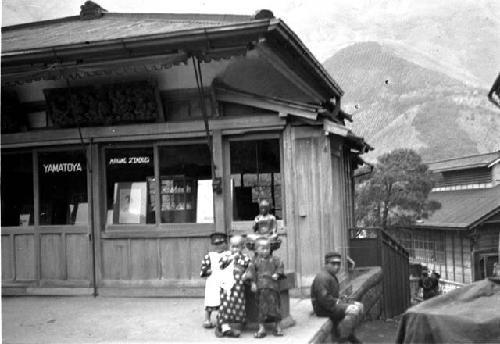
(228, 270)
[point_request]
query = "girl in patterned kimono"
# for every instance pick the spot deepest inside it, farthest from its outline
(265, 271)
(210, 269)
(232, 293)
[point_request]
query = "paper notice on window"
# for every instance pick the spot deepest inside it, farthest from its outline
(132, 201)
(205, 202)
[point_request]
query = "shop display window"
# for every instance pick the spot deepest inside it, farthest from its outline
(255, 175)
(129, 200)
(186, 193)
(17, 190)
(62, 180)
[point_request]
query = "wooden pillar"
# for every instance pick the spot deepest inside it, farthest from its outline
(290, 216)
(220, 223)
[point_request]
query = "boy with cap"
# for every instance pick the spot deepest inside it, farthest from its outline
(326, 301)
(210, 269)
(265, 271)
(232, 292)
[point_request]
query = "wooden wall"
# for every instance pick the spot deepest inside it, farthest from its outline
(318, 196)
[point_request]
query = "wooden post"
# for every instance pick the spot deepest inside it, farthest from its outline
(220, 223)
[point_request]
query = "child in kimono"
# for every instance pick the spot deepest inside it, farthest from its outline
(232, 296)
(265, 271)
(210, 269)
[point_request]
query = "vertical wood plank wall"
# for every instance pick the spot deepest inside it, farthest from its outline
(318, 199)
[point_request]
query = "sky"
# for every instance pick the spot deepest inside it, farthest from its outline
(461, 37)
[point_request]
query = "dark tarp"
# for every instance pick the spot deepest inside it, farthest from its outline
(470, 314)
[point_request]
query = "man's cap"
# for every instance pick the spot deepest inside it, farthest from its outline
(333, 257)
(218, 238)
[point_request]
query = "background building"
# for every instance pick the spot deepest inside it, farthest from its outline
(460, 240)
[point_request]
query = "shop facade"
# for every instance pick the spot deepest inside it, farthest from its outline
(121, 156)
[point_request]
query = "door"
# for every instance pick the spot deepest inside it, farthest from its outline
(63, 218)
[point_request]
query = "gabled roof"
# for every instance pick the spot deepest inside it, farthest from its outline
(463, 209)
(72, 30)
(49, 45)
(473, 161)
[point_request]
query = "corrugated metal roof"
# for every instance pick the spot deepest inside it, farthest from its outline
(472, 161)
(462, 208)
(72, 30)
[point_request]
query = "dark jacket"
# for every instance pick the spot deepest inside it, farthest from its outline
(262, 269)
(325, 296)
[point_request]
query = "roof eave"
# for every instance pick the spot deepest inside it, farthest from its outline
(301, 48)
(144, 41)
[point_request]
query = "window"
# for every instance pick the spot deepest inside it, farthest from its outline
(17, 189)
(129, 198)
(184, 185)
(255, 175)
(186, 194)
(63, 188)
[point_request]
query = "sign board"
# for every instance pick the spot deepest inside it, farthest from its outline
(205, 202)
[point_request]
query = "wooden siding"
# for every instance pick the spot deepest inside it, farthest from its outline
(152, 259)
(480, 175)
(319, 199)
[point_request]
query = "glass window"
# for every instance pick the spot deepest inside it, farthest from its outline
(186, 194)
(63, 188)
(255, 175)
(130, 185)
(17, 189)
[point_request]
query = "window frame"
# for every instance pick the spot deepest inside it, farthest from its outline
(34, 160)
(158, 228)
(37, 151)
(246, 226)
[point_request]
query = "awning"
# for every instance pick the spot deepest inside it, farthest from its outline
(73, 71)
(21, 74)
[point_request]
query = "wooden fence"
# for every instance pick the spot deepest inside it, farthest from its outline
(375, 247)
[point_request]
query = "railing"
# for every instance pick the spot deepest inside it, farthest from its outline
(375, 247)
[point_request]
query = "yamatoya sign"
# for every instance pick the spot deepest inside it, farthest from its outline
(58, 167)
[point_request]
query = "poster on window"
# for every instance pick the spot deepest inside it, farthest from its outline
(205, 202)
(130, 201)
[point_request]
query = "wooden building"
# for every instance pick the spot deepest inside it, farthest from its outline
(460, 240)
(127, 139)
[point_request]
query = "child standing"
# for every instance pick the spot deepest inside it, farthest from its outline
(265, 271)
(210, 269)
(232, 296)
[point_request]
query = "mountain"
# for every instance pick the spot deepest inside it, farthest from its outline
(459, 38)
(396, 103)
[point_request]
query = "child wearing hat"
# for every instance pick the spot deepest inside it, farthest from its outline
(265, 271)
(210, 269)
(232, 292)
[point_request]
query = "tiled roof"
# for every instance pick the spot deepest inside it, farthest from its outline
(461, 209)
(72, 30)
(472, 161)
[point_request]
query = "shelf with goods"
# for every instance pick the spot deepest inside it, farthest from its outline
(177, 198)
